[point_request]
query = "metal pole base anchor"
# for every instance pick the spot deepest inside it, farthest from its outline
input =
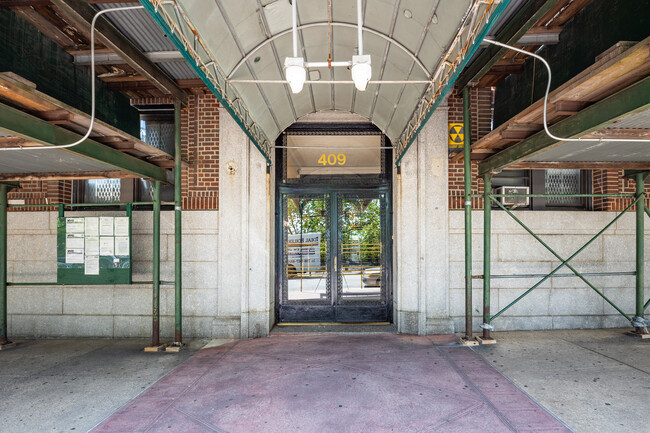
(159, 348)
(176, 347)
(640, 327)
(7, 345)
(486, 340)
(465, 342)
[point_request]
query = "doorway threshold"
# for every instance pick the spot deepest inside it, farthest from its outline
(334, 327)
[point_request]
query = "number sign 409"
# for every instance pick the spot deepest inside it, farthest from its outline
(332, 159)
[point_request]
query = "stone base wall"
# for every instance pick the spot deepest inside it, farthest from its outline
(114, 310)
(117, 311)
(559, 303)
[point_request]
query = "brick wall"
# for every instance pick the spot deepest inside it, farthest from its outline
(480, 100)
(200, 147)
(42, 192)
(613, 182)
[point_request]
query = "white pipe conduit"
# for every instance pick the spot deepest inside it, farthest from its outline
(92, 86)
(548, 90)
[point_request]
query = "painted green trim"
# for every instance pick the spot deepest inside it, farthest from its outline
(179, 45)
(32, 128)
(155, 311)
(525, 18)
(487, 250)
(631, 100)
(4, 188)
(479, 38)
(640, 244)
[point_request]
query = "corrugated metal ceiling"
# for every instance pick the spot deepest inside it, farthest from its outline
(49, 161)
(142, 30)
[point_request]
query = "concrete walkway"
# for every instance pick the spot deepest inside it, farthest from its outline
(334, 383)
(71, 385)
(596, 381)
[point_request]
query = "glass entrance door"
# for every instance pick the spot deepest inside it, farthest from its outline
(334, 256)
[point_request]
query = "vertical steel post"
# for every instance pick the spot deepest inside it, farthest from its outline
(468, 214)
(640, 324)
(3, 264)
(178, 273)
(155, 332)
(487, 246)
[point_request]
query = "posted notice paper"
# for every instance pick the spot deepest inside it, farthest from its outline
(106, 245)
(106, 226)
(121, 226)
(74, 225)
(92, 226)
(91, 265)
(75, 240)
(74, 255)
(122, 246)
(92, 245)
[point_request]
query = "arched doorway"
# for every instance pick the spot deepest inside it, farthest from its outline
(333, 223)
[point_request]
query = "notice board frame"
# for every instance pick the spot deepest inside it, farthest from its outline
(109, 272)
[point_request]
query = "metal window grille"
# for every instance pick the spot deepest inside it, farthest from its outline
(158, 133)
(102, 191)
(558, 181)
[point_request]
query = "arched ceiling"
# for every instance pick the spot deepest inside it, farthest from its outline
(244, 43)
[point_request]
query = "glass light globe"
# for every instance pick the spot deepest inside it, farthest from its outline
(295, 72)
(361, 71)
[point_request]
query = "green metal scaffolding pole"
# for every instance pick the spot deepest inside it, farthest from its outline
(3, 264)
(178, 280)
(639, 322)
(155, 332)
(487, 246)
(468, 214)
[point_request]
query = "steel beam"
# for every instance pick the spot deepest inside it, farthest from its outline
(115, 59)
(81, 13)
(16, 122)
(629, 101)
(514, 30)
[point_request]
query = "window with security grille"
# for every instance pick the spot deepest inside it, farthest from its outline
(156, 129)
(551, 181)
(101, 191)
(562, 182)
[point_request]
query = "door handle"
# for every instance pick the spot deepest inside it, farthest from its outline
(335, 264)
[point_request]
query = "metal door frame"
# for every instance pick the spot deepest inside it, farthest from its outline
(326, 313)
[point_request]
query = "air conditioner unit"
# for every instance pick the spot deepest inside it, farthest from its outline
(514, 201)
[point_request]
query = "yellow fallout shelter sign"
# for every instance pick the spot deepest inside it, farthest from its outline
(456, 136)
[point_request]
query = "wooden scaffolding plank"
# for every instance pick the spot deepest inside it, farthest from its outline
(604, 78)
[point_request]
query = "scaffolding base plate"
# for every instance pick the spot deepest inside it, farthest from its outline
(8, 345)
(466, 342)
(483, 340)
(158, 348)
(174, 348)
(638, 335)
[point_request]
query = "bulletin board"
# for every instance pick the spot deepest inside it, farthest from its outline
(94, 250)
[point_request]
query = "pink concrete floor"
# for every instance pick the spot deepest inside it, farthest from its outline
(334, 383)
